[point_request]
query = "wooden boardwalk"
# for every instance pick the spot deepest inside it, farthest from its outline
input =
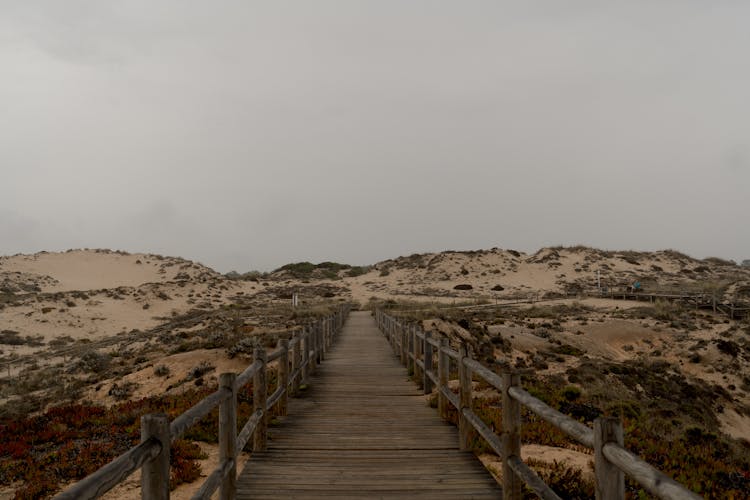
(363, 430)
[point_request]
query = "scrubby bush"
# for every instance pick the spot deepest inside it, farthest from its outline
(244, 346)
(200, 370)
(161, 371)
(567, 482)
(93, 361)
(123, 390)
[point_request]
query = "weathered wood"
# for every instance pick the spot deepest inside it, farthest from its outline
(363, 431)
(152, 454)
(228, 436)
(244, 377)
(305, 354)
(273, 356)
(155, 472)
(259, 400)
(313, 349)
(248, 429)
(214, 480)
(651, 479)
(284, 377)
(418, 367)
(274, 397)
(404, 345)
(413, 350)
(433, 378)
(488, 375)
(432, 341)
(464, 394)
(532, 480)
(492, 439)
(610, 481)
(573, 428)
(443, 362)
(321, 342)
(428, 354)
(110, 475)
(450, 353)
(511, 426)
(451, 398)
(331, 328)
(296, 364)
(190, 417)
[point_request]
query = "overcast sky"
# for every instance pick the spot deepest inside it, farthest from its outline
(246, 135)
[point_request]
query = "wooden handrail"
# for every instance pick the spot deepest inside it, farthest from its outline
(109, 476)
(275, 397)
(190, 417)
(611, 458)
(152, 454)
(531, 479)
(573, 428)
(213, 481)
(249, 372)
(653, 480)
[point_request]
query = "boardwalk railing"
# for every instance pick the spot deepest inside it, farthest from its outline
(700, 300)
(297, 359)
(419, 352)
(735, 309)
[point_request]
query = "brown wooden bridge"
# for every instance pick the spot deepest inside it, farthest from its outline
(362, 430)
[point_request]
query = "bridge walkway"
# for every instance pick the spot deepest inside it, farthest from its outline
(363, 430)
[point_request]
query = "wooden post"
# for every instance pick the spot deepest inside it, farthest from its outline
(427, 383)
(305, 345)
(404, 346)
(228, 436)
(155, 473)
(313, 347)
(464, 378)
(511, 427)
(260, 395)
(411, 347)
(330, 332)
(284, 377)
(610, 480)
(320, 343)
(397, 338)
(443, 369)
(399, 333)
(417, 348)
(297, 362)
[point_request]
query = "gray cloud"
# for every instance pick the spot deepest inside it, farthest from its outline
(249, 134)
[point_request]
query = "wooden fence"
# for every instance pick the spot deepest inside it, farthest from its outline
(736, 309)
(698, 300)
(297, 358)
(430, 360)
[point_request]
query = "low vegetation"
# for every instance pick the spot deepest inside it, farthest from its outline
(67, 443)
(670, 419)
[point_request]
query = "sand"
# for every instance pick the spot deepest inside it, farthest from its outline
(89, 295)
